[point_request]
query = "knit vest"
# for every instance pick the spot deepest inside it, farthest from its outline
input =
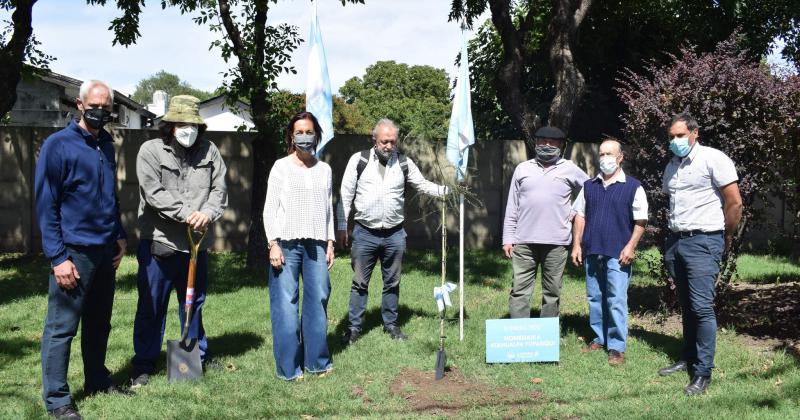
(609, 216)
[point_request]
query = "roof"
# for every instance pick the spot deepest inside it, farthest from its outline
(67, 81)
(208, 101)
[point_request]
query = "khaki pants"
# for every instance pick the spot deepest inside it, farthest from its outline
(525, 259)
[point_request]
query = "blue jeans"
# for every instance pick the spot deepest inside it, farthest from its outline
(369, 245)
(607, 292)
(155, 281)
(89, 304)
(300, 342)
(694, 262)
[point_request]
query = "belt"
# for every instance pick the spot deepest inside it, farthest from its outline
(696, 232)
(387, 231)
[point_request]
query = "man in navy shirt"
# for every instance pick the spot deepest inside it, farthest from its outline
(82, 235)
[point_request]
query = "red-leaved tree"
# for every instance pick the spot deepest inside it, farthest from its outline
(742, 109)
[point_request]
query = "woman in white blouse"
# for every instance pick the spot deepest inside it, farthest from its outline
(298, 221)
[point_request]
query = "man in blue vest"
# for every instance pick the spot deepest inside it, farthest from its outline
(611, 213)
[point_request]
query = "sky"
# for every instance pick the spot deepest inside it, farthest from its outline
(355, 36)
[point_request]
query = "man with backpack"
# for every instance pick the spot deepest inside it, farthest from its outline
(374, 183)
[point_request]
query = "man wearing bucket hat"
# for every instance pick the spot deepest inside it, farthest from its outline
(181, 182)
(537, 228)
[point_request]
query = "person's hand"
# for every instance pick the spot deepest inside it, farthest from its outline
(122, 244)
(507, 250)
(577, 255)
(329, 255)
(276, 257)
(728, 243)
(198, 221)
(627, 255)
(342, 238)
(66, 275)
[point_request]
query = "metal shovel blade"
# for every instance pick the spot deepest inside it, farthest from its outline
(441, 361)
(183, 360)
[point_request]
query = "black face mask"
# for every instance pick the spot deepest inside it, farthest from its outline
(96, 118)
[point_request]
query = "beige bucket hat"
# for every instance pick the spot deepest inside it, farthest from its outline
(183, 109)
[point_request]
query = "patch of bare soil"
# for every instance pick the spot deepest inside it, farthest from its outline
(455, 392)
(768, 314)
(764, 316)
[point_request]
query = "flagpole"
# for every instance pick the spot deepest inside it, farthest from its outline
(461, 266)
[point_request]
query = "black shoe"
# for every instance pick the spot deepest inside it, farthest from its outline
(350, 337)
(680, 365)
(140, 380)
(67, 412)
(395, 333)
(697, 386)
(111, 390)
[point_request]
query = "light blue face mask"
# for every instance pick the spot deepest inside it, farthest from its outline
(680, 146)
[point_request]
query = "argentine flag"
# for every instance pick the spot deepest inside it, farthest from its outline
(461, 134)
(318, 86)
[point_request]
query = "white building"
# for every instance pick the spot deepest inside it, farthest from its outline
(217, 114)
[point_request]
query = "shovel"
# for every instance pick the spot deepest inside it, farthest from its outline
(183, 356)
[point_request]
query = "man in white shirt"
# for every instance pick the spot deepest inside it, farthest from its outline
(374, 182)
(610, 216)
(704, 210)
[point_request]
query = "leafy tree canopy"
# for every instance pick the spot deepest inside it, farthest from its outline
(417, 98)
(617, 34)
(169, 83)
(742, 110)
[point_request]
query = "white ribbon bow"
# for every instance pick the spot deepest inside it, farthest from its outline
(442, 295)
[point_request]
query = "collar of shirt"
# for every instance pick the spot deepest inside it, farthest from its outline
(102, 136)
(692, 154)
(374, 156)
(558, 162)
(619, 177)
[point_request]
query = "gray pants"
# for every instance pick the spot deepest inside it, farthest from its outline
(525, 259)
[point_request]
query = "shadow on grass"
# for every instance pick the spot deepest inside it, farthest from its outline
(233, 344)
(28, 277)
(372, 320)
(17, 347)
(482, 268)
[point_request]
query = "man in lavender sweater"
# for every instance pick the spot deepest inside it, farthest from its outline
(538, 223)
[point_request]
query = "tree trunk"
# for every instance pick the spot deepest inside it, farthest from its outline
(264, 156)
(13, 54)
(509, 76)
(569, 81)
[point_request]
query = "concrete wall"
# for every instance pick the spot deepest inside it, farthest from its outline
(492, 164)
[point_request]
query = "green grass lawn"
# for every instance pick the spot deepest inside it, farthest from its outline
(373, 377)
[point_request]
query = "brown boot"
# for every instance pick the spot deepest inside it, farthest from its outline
(616, 358)
(593, 346)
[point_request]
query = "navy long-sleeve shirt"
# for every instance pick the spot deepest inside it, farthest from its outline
(76, 199)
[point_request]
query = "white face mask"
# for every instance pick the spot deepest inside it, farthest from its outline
(186, 135)
(608, 164)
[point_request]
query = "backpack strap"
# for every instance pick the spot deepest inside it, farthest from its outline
(401, 158)
(362, 164)
(364, 159)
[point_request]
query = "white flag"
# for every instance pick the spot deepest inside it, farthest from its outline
(318, 86)
(461, 134)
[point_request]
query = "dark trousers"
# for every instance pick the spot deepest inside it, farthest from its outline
(370, 245)
(89, 304)
(156, 279)
(694, 262)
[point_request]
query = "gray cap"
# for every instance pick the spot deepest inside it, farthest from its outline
(548, 132)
